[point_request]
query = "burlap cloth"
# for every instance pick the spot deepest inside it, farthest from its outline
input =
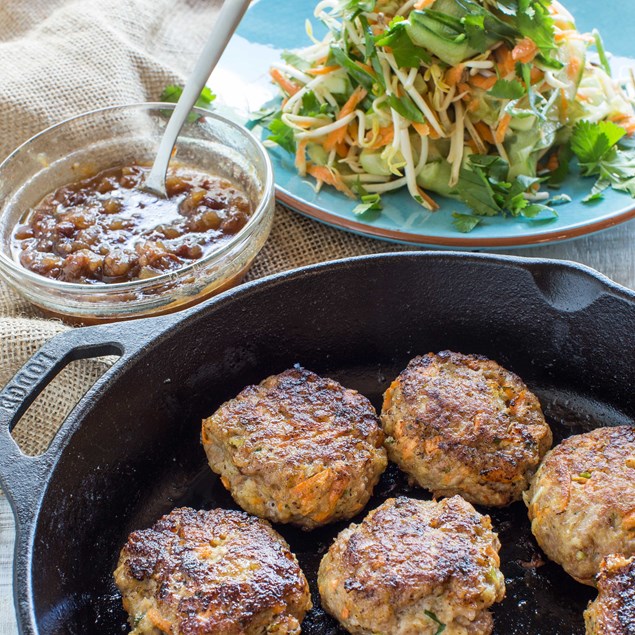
(62, 57)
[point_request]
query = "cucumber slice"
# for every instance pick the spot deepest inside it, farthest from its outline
(337, 84)
(435, 176)
(373, 163)
(317, 154)
(440, 31)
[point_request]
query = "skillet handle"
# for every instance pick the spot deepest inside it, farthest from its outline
(23, 478)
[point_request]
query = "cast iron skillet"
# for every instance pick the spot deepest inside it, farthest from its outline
(130, 451)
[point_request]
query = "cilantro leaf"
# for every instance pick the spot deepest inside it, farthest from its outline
(476, 191)
(407, 54)
(311, 106)
(592, 142)
(496, 167)
(504, 89)
(482, 27)
(534, 22)
(485, 188)
(172, 93)
(281, 134)
(475, 31)
(465, 223)
(597, 147)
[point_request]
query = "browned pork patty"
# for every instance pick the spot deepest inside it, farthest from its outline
(215, 572)
(613, 612)
(413, 568)
(582, 500)
(462, 424)
(297, 448)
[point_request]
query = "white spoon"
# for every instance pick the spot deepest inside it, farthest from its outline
(228, 18)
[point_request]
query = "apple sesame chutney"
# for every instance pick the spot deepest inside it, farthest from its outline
(107, 229)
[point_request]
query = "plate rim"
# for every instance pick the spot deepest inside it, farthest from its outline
(302, 206)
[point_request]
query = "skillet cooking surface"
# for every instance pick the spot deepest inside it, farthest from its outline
(539, 593)
(134, 450)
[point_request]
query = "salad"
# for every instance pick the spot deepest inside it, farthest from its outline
(485, 101)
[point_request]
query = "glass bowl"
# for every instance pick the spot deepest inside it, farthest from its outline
(131, 134)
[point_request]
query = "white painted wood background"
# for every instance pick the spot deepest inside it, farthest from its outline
(611, 252)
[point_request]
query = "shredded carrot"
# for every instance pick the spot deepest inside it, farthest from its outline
(573, 69)
(334, 137)
(389, 394)
(158, 620)
(483, 82)
(423, 4)
(502, 128)
(384, 137)
(473, 146)
(323, 174)
(525, 51)
(306, 492)
(431, 202)
(322, 70)
(300, 157)
(337, 136)
(341, 149)
(485, 131)
(422, 128)
(464, 88)
(288, 86)
(434, 134)
(310, 485)
(506, 63)
(453, 75)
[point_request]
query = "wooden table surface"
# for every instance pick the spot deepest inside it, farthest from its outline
(611, 252)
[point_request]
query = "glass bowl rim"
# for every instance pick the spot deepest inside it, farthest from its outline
(268, 195)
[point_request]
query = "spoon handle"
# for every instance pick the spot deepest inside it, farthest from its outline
(228, 19)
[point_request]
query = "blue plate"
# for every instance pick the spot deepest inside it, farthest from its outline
(243, 85)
